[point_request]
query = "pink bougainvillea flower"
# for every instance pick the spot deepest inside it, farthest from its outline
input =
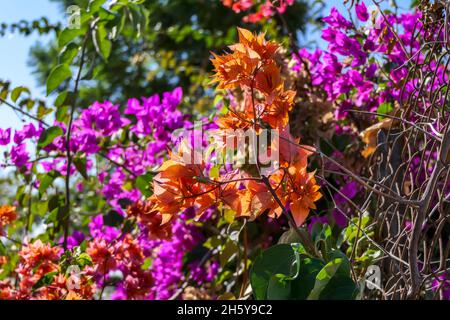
(361, 11)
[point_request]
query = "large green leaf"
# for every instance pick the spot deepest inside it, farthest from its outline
(282, 272)
(334, 281)
(278, 290)
(46, 180)
(275, 260)
(48, 135)
(324, 277)
(68, 53)
(287, 272)
(304, 283)
(57, 76)
(80, 164)
(67, 35)
(340, 287)
(95, 5)
(101, 42)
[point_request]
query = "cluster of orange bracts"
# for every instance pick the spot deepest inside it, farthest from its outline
(251, 74)
(7, 216)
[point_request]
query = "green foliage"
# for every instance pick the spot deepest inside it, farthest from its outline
(80, 164)
(48, 135)
(113, 219)
(22, 101)
(46, 180)
(67, 35)
(46, 280)
(15, 94)
(60, 73)
(383, 109)
(286, 271)
(143, 183)
(357, 238)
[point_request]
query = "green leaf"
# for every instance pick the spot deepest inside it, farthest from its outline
(340, 287)
(323, 238)
(47, 180)
(384, 108)
(275, 260)
(62, 113)
(324, 277)
(57, 76)
(48, 135)
(42, 208)
(106, 15)
(113, 219)
(63, 213)
(147, 264)
(20, 190)
(80, 164)
(84, 260)
(61, 110)
(139, 18)
(279, 287)
(345, 265)
(53, 216)
(67, 35)
(230, 248)
(143, 183)
(68, 53)
(43, 111)
(46, 280)
(3, 249)
(54, 202)
(95, 5)
(304, 283)
(15, 94)
(278, 290)
(214, 172)
(284, 272)
(218, 99)
(101, 42)
(334, 281)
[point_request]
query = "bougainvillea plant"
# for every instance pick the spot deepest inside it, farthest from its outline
(317, 173)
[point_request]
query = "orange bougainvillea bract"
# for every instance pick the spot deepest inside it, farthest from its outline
(250, 73)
